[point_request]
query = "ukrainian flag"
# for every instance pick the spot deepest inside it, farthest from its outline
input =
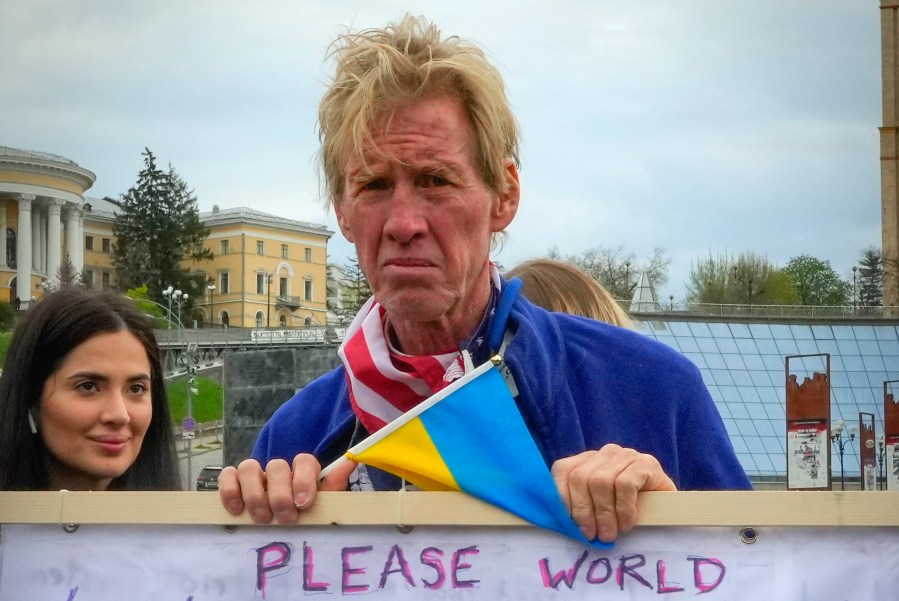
(470, 437)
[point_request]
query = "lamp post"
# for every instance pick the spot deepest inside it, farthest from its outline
(881, 451)
(836, 437)
(268, 300)
(211, 289)
(854, 290)
(167, 294)
(671, 302)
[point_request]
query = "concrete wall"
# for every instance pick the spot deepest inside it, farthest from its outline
(257, 382)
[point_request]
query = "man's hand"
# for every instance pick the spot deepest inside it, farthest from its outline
(279, 492)
(600, 488)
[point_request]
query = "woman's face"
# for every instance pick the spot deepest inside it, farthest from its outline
(95, 410)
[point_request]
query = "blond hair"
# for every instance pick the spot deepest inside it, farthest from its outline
(562, 287)
(379, 70)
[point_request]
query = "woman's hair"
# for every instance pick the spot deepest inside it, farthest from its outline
(42, 339)
(562, 287)
(379, 70)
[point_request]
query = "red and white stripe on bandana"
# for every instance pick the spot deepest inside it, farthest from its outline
(385, 383)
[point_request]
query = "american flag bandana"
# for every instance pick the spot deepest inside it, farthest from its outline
(385, 383)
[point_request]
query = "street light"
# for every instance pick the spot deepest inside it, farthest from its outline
(836, 437)
(168, 293)
(211, 289)
(671, 302)
(881, 451)
(854, 290)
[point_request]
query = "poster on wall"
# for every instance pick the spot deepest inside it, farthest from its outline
(891, 463)
(807, 460)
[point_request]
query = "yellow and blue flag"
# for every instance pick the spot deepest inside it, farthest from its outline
(470, 437)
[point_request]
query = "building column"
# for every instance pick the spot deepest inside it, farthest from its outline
(23, 248)
(54, 238)
(42, 243)
(3, 225)
(78, 259)
(35, 236)
(73, 243)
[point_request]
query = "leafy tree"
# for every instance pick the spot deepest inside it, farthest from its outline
(356, 289)
(156, 229)
(618, 270)
(148, 307)
(816, 282)
(745, 279)
(869, 279)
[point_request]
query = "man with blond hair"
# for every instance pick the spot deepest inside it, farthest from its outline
(420, 160)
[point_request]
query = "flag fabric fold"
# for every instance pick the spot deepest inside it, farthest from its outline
(471, 437)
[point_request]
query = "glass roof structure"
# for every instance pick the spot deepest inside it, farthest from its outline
(742, 363)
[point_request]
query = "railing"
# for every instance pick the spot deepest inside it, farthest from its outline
(766, 311)
(242, 336)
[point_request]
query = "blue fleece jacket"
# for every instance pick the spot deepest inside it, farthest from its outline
(581, 384)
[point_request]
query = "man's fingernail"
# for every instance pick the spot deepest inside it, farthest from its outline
(300, 500)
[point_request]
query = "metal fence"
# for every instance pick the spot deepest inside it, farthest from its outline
(764, 311)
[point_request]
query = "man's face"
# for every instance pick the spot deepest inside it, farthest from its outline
(420, 215)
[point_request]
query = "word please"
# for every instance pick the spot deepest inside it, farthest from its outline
(441, 569)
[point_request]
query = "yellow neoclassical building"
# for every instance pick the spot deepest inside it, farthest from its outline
(42, 216)
(266, 271)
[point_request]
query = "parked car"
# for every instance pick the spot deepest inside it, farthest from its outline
(208, 479)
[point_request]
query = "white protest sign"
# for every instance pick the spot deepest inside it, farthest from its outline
(200, 563)
(107, 558)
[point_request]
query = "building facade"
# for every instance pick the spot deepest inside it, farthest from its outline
(41, 217)
(266, 271)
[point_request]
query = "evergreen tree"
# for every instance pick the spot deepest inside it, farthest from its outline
(156, 229)
(66, 276)
(869, 279)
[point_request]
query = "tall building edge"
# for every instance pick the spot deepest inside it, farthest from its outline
(889, 174)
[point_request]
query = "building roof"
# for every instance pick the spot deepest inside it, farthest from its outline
(6, 151)
(31, 161)
(743, 366)
(239, 215)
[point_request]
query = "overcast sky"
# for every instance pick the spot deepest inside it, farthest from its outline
(694, 125)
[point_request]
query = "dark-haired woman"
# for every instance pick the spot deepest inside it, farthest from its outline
(82, 399)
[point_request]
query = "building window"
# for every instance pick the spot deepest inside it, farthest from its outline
(226, 319)
(105, 277)
(224, 247)
(11, 247)
(88, 243)
(260, 282)
(309, 255)
(282, 320)
(307, 290)
(88, 277)
(223, 283)
(282, 287)
(283, 251)
(259, 319)
(106, 245)
(260, 247)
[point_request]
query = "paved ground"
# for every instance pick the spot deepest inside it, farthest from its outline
(205, 450)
